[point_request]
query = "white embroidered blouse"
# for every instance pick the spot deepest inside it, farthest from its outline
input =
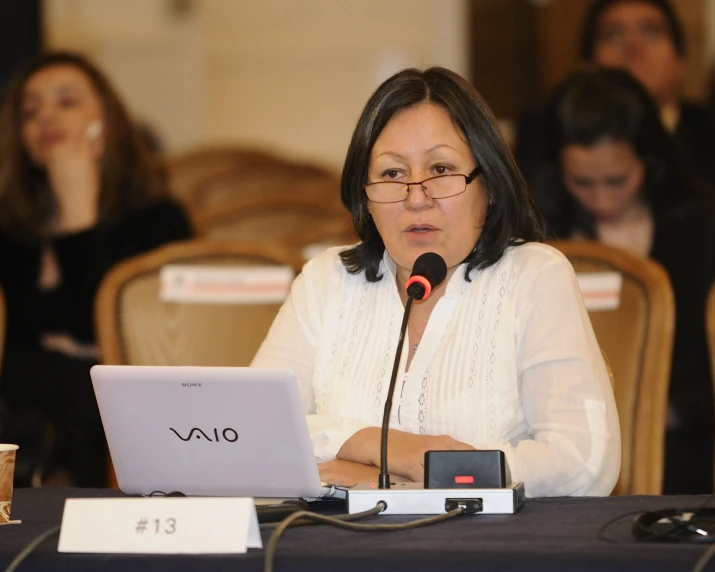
(507, 361)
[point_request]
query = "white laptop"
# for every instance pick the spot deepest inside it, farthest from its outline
(213, 431)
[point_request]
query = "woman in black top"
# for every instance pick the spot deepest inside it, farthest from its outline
(79, 192)
(610, 172)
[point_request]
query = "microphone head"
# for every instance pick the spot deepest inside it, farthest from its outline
(429, 271)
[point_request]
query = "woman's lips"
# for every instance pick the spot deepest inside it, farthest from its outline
(52, 138)
(420, 228)
(421, 231)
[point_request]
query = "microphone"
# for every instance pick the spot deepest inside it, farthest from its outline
(428, 272)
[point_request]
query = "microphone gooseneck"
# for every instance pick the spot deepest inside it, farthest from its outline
(429, 271)
(384, 480)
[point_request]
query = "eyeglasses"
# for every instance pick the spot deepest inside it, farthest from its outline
(439, 187)
(617, 35)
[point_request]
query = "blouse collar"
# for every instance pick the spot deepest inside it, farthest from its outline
(454, 286)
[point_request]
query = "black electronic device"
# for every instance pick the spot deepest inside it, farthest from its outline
(466, 470)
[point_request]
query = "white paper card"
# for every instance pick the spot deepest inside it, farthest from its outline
(224, 284)
(600, 290)
(193, 525)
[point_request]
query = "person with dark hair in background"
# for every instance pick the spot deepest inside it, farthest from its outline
(500, 356)
(610, 172)
(645, 38)
(79, 192)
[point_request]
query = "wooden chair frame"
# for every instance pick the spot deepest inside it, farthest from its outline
(644, 472)
(222, 159)
(246, 207)
(308, 178)
(106, 309)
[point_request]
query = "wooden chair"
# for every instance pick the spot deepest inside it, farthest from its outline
(191, 169)
(296, 220)
(637, 337)
(135, 327)
(256, 181)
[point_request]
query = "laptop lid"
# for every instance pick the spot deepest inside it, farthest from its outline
(215, 431)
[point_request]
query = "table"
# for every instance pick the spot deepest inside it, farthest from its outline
(548, 534)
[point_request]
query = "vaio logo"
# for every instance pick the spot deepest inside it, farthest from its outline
(228, 434)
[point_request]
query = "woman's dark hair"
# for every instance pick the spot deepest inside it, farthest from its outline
(130, 174)
(605, 104)
(511, 218)
(598, 7)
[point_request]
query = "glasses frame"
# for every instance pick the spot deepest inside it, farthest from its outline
(467, 179)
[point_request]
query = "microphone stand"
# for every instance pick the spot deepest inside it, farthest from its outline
(384, 479)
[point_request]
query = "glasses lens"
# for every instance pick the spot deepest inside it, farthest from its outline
(386, 192)
(445, 186)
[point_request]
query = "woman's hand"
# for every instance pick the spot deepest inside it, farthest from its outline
(345, 473)
(74, 175)
(405, 451)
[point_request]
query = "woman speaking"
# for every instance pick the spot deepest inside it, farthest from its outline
(500, 356)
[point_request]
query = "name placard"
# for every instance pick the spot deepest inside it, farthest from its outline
(600, 290)
(162, 525)
(224, 284)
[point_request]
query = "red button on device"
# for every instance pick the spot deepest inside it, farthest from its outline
(465, 480)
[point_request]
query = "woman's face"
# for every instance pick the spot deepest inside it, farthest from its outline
(418, 143)
(59, 104)
(606, 178)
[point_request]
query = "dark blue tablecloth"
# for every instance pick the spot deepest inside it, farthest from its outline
(549, 534)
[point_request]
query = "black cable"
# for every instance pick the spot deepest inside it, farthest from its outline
(354, 527)
(602, 530)
(30, 547)
(307, 522)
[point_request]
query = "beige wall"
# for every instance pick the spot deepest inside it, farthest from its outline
(291, 75)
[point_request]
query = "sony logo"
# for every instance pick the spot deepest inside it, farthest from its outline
(228, 434)
(190, 385)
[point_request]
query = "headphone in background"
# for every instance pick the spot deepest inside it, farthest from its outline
(694, 525)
